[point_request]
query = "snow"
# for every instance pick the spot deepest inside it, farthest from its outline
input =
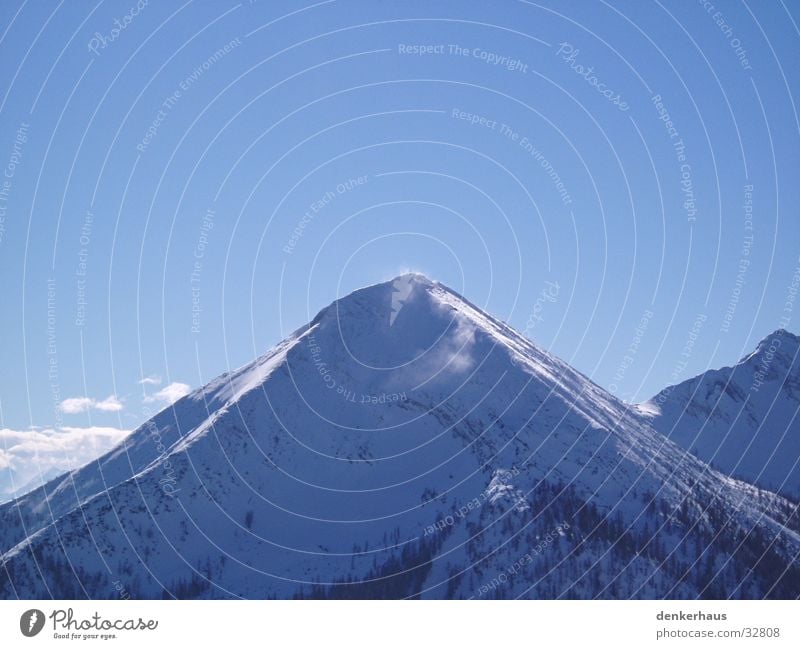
(743, 419)
(409, 442)
(501, 488)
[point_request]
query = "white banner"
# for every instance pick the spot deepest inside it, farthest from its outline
(399, 624)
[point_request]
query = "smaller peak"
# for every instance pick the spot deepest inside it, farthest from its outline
(779, 338)
(786, 335)
(780, 343)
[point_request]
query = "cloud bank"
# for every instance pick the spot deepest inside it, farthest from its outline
(77, 405)
(30, 457)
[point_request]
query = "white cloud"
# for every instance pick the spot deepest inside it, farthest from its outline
(151, 380)
(77, 405)
(27, 456)
(170, 393)
(109, 404)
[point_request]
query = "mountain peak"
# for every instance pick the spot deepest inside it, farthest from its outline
(396, 321)
(384, 302)
(408, 278)
(740, 419)
(781, 344)
(377, 452)
(412, 276)
(785, 339)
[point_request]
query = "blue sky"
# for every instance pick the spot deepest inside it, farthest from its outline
(518, 152)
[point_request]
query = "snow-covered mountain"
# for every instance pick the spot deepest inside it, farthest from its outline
(9, 482)
(743, 420)
(402, 444)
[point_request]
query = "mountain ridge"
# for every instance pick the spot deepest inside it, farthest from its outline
(279, 479)
(742, 418)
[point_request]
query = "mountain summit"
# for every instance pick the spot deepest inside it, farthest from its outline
(402, 444)
(743, 419)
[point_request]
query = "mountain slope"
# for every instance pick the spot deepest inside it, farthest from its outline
(399, 447)
(743, 420)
